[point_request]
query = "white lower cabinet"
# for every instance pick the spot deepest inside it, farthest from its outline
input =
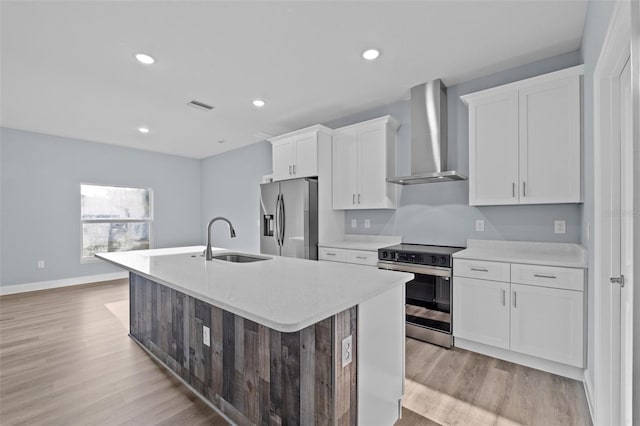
(541, 317)
(481, 311)
(548, 323)
(360, 257)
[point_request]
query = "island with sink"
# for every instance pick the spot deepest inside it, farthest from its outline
(270, 339)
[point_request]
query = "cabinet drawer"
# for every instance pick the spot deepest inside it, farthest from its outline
(548, 276)
(362, 257)
(334, 255)
(495, 271)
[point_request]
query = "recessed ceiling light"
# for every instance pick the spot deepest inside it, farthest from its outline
(143, 58)
(371, 54)
(258, 102)
(143, 129)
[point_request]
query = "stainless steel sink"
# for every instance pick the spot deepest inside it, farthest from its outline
(238, 258)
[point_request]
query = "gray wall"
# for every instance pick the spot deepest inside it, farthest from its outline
(595, 29)
(439, 213)
(230, 187)
(40, 200)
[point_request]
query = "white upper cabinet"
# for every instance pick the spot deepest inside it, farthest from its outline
(364, 156)
(525, 141)
(295, 155)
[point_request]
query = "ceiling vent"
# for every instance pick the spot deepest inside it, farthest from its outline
(200, 105)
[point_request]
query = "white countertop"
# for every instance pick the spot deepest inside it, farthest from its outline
(282, 293)
(535, 253)
(363, 242)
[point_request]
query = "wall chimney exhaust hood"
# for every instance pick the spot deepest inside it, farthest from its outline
(428, 136)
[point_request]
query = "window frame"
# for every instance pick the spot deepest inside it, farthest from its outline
(150, 220)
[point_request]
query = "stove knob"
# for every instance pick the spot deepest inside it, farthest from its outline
(385, 254)
(433, 260)
(443, 260)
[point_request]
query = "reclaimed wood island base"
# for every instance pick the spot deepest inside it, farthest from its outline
(279, 341)
(251, 373)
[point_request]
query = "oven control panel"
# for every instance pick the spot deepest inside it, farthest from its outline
(415, 258)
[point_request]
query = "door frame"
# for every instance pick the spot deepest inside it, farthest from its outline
(613, 56)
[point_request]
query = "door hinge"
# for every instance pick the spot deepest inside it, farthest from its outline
(617, 280)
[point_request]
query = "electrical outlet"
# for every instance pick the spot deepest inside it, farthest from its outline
(480, 225)
(367, 223)
(560, 226)
(354, 223)
(206, 335)
(347, 350)
(40, 264)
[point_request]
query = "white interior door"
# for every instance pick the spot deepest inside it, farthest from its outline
(615, 160)
(626, 244)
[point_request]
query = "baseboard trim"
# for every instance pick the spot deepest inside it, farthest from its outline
(522, 359)
(588, 391)
(66, 282)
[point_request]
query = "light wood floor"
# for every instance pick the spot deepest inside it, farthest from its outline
(65, 358)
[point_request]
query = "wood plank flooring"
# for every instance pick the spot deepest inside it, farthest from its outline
(65, 358)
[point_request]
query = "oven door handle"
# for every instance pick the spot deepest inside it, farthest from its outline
(416, 269)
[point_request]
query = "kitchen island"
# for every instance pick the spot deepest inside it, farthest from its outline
(273, 341)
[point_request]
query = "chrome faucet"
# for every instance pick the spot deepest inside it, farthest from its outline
(232, 232)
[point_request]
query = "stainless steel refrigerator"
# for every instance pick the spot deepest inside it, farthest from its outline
(289, 218)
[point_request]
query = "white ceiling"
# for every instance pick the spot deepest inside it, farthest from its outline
(68, 68)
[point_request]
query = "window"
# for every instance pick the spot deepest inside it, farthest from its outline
(114, 218)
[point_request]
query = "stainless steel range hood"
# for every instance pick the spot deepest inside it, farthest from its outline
(428, 136)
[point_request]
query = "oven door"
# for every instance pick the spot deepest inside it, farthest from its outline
(428, 302)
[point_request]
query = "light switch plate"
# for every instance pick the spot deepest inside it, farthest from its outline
(354, 223)
(347, 350)
(40, 264)
(480, 225)
(560, 226)
(206, 336)
(367, 223)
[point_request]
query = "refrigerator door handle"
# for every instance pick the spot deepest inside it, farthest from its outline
(277, 221)
(282, 219)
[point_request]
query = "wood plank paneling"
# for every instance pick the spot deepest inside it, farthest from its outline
(254, 374)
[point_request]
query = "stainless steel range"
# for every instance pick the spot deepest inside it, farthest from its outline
(428, 295)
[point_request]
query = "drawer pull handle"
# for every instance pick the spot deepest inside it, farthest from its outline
(480, 269)
(361, 257)
(504, 297)
(515, 304)
(553, 277)
(331, 254)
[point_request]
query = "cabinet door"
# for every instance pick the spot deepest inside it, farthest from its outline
(550, 147)
(372, 167)
(481, 311)
(548, 323)
(306, 155)
(282, 152)
(345, 171)
(493, 150)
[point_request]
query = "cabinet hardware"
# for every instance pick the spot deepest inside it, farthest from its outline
(331, 254)
(524, 189)
(513, 189)
(479, 269)
(504, 297)
(515, 304)
(361, 257)
(617, 280)
(289, 169)
(294, 169)
(358, 198)
(553, 277)
(353, 199)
